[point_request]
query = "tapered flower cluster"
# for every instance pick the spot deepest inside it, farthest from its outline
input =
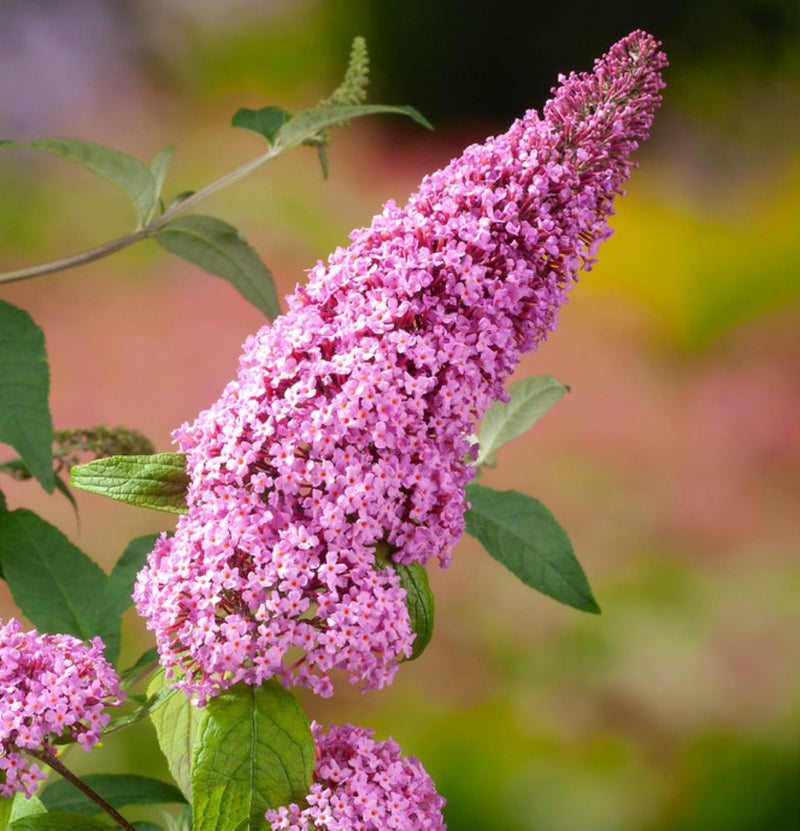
(346, 429)
(51, 687)
(361, 783)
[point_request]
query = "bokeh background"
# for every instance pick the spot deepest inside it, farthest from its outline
(674, 463)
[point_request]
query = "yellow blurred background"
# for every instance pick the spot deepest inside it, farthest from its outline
(674, 463)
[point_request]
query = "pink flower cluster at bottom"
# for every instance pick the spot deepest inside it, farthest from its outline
(360, 783)
(51, 687)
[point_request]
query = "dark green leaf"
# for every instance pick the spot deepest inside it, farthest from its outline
(176, 723)
(158, 481)
(254, 751)
(311, 123)
(25, 421)
(219, 249)
(3, 505)
(419, 601)
(150, 706)
(61, 821)
(120, 584)
(54, 583)
(118, 789)
(63, 488)
(122, 170)
(519, 532)
(266, 122)
(530, 399)
(147, 660)
(144, 825)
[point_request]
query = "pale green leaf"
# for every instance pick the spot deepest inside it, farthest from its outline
(266, 122)
(219, 249)
(254, 752)
(157, 481)
(176, 722)
(530, 399)
(519, 532)
(120, 169)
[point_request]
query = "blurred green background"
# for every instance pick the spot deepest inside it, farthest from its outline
(674, 463)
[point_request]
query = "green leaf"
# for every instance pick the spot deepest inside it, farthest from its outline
(158, 481)
(419, 601)
(309, 124)
(150, 706)
(6, 806)
(122, 170)
(254, 751)
(25, 421)
(176, 723)
(266, 122)
(118, 789)
(3, 503)
(519, 532)
(144, 825)
(123, 576)
(24, 807)
(219, 249)
(55, 585)
(159, 168)
(530, 399)
(323, 160)
(146, 661)
(61, 821)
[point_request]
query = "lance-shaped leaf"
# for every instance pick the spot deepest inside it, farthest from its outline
(122, 170)
(266, 122)
(55, 584)
(419, 602)
(519, 532)
(311, 123)
(118, 789)
(147, 710)
(220, 249)
(25, 421)
(159, 168)
(144, 664)
(254, 752)
(530, 399)
(158, 481)
(176, 721)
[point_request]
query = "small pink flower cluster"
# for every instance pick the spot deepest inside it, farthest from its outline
(346, 429)
(51, 687)
(361, 783)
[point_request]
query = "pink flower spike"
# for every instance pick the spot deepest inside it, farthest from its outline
(347, 426)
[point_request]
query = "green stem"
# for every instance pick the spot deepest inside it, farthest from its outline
(151, 228)
(58, 766)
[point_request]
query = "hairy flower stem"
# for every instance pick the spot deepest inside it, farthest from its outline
(58, 766)
(152, 227)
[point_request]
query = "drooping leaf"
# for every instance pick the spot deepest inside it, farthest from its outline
(118, 789)
(55, 584)
(122, 170)
(148, 708)
(176, 722)
(120, 584)
(419, 601)
(519, 532)
(25, 421)
(61, 821)
(158, 481)
(254, 751)
(530, 399)
(311, 123)
(219, 249)
(266, 122)
(322, 153)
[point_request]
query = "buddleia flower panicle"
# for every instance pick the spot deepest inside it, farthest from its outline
(362, 783)
(346, 428)
(52, 688)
